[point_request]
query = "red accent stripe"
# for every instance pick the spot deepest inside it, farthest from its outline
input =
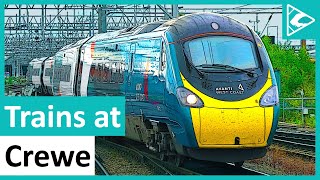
(145, 86)
(92, 48)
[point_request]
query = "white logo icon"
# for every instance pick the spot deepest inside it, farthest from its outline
(294, 17)
(241, 87)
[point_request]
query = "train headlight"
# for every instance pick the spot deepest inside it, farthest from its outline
(192, 99)
(188, 98)
(270, 97)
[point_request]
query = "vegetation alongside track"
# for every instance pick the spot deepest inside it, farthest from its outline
(15, 80)
(297, 73)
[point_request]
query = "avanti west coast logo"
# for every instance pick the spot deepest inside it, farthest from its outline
(297, 20)
(230, 90)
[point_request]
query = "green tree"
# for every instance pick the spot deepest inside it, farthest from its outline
(296, 69)
(297, 73)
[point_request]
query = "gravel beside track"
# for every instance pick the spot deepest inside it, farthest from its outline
(118, 162)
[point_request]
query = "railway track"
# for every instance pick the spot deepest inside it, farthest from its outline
(191, 166)
(162, 168)
(296, 142)
(14, 90)
(294, 128)
(216, 168)
(282, 125)
(100, 170)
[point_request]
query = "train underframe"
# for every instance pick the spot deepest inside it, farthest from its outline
(155, 135)
(158, 138)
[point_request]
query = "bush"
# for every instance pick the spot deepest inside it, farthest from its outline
(15, 80)
(297, 73)
(296, 69)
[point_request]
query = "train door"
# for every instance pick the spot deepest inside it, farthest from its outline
(43, 87)
(85, 69)
(130, 88)
(36, 73)
(149, 89)
(156, 83)
(48, 74)
(161, 82)
(71, 62)
(64, 71)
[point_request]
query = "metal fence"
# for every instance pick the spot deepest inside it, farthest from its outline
(305, 106)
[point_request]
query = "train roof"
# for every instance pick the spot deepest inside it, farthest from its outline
(34, 60)
(182, 27)
(202, 23)
(142, 29)
(49, 59)
(105, 36)
(76, 44)
(39, 59)
(126, 33)
(123, 33)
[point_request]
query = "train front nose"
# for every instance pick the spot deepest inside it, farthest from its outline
(246, 126)
(244, 123)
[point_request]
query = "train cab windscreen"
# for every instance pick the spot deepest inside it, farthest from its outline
(215, 52)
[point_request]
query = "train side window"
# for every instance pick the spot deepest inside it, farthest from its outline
(147, 56)
(109, 61)
(48, 72)
(35, 72)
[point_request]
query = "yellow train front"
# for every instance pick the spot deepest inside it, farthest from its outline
(221, 96)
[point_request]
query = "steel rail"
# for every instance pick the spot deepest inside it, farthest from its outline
(296, 142)
(101, 167)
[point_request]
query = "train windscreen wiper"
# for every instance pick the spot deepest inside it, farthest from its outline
(201, 74)
(224, 66)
